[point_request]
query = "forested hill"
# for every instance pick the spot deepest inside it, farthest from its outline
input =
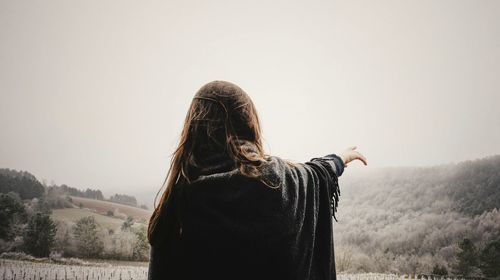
(21, 182)
(473, 185)
(410, 219)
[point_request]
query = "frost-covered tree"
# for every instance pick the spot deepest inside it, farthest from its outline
(141, 247)
(128, 223)
(490, 259)
(11, 212)
(466, 258)
(87, 236)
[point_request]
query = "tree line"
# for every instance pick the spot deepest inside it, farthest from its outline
(28, 187)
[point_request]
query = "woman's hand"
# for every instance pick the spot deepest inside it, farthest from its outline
(350, 154)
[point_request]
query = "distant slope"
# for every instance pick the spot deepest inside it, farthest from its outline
(409, 219)
(102, 207)
(72, 215)
(475, 186)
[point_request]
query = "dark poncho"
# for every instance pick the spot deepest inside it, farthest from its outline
(226, 226)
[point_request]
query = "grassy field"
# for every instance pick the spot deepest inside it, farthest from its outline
(71, 215)
(102, 207)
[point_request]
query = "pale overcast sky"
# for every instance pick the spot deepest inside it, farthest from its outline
(93, 93)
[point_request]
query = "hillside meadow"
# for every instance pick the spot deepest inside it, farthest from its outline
(102, 207)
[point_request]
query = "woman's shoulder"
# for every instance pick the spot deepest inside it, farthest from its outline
(282, 165)
(279, 170)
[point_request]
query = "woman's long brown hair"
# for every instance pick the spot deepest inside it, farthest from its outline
(221, 115)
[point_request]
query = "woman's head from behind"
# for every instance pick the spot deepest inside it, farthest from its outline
(221, 119)
(220, 116)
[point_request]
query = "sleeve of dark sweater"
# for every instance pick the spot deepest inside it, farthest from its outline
(315, 202)
(329, 168)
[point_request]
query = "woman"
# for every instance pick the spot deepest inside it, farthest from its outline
(229, 211)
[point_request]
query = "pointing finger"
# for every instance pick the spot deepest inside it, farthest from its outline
(363, 159)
